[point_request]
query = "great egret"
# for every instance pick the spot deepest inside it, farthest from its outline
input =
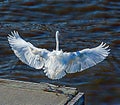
(56, 63)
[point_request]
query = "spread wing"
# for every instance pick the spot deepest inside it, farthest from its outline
(26, 52)
(87, 58)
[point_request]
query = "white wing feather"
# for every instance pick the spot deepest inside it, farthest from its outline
(87, 58)
(26, 52)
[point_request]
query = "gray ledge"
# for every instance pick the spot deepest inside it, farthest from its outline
(14, 92)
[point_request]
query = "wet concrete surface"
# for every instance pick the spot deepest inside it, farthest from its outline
(28, 93)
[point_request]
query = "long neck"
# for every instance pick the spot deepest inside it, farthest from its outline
(57, 41)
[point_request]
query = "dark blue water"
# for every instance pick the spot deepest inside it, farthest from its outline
(82, 24)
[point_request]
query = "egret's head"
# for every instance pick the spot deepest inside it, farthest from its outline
(57, 33)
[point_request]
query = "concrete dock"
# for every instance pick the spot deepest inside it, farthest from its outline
(14, 92)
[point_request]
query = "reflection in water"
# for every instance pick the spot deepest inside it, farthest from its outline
(81, 24)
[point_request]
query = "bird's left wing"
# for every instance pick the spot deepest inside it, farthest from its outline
(26, 52)
(86, 58)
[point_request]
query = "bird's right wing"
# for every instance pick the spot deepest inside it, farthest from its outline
(86, 58)
(26, 52)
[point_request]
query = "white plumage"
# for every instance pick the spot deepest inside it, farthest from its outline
(56, 63)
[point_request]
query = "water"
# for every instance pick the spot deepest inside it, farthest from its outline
(82, 24)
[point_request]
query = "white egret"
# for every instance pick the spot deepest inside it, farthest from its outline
(56, 63)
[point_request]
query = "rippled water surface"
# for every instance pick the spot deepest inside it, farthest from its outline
(82, 24)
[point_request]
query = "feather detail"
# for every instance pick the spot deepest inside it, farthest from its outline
(26, 52)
